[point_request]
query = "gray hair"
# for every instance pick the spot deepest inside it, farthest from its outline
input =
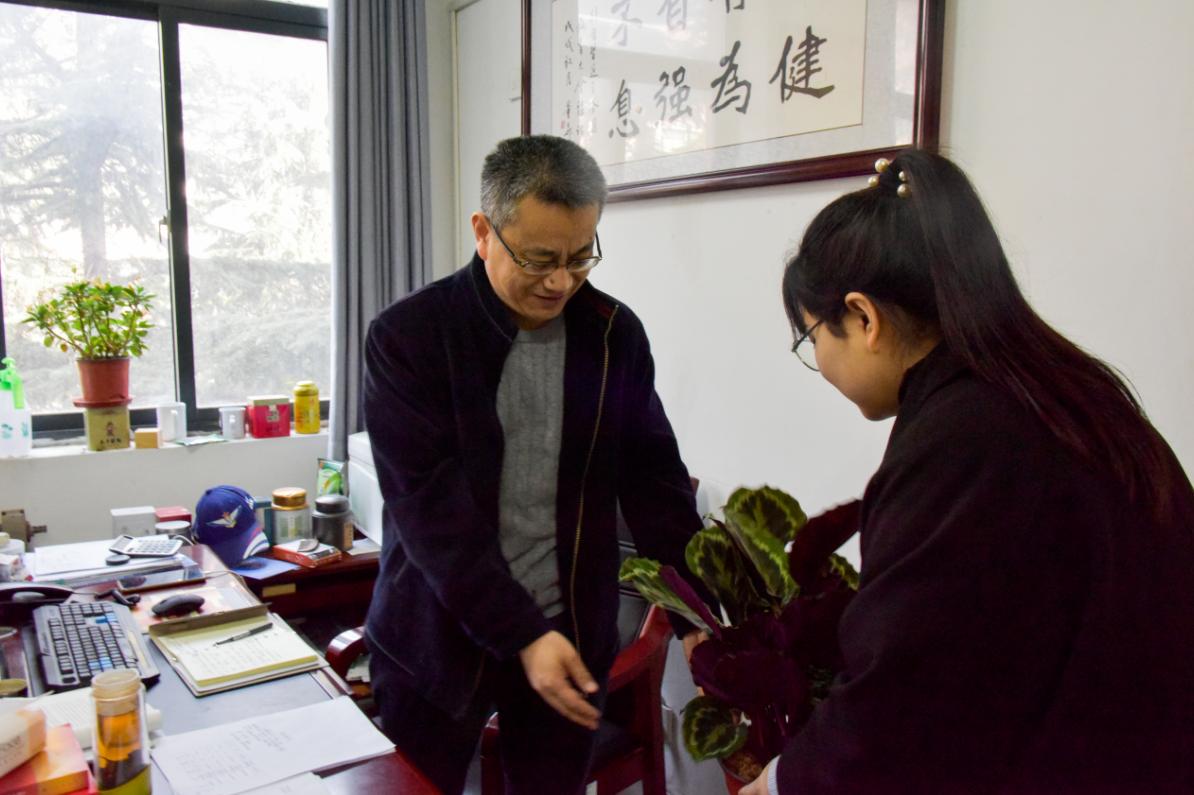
(552, 169)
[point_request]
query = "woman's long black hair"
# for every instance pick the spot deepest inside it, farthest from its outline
(933, 255)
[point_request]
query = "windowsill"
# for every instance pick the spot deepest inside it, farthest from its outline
(61, 448)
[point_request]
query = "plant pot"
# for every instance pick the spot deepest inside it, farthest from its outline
(104, 380)
(733, 767)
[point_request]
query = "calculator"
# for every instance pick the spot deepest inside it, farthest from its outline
(147, 546)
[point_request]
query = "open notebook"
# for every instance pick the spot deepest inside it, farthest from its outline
(208, 666)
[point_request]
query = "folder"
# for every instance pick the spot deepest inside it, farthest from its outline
(207, 666)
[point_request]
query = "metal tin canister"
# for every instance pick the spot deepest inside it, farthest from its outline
(306, 407)
(291, 513)
(332, 521)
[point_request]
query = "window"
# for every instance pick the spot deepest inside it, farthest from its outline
(188, 149)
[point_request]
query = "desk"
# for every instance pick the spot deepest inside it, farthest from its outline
(182, 712)
(346, 585)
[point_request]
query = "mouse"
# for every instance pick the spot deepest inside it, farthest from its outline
(178, 605)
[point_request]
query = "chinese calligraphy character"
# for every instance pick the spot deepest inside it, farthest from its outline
(801, 69)
(621, 9)
(679, 98)
(728, 85)
(627, 127)
(676, 13)
(741, 5)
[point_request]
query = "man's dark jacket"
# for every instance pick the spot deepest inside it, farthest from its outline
(1021, 626)
(445, 602)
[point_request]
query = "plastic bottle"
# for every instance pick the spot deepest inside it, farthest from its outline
(121, 733)
(16, 421)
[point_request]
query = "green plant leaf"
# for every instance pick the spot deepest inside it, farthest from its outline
(643, 574)
(844, 569)
(711, 730)
(762, 521)
(712, 555)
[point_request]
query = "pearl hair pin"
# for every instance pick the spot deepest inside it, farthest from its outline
(880, 166)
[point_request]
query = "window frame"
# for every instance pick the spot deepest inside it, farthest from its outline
(254, 16)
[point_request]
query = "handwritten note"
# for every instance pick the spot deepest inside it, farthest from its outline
(232, 758)
(209, 663)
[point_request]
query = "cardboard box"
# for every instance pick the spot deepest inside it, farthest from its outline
(107, 428)
(267, 416)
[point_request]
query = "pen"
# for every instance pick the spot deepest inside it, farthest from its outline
(246, 633)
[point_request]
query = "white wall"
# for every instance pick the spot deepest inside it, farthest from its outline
(1076, 122)
(71, 492)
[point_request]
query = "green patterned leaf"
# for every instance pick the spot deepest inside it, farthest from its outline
(643, 574)
(844, 569)
(713, 556)
(762, 521)
(710, 729)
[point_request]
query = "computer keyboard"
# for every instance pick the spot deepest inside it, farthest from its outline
(77, 640)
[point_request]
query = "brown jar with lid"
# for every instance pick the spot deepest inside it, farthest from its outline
(291, 514)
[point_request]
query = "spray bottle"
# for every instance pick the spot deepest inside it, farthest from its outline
(16, 421)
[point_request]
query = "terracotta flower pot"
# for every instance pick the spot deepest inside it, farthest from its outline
(104, 380)
(734, 766)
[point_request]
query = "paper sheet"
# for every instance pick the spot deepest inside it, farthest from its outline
(306, 784)
(74, 707)
(234, 757)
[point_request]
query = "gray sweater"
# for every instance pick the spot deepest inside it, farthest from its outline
(530, 406)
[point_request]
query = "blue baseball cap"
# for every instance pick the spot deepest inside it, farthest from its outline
(226, 522)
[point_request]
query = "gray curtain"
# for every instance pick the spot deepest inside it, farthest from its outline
(381, 219)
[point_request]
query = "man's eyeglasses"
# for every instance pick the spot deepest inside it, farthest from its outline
(539, 268)
(808, 358)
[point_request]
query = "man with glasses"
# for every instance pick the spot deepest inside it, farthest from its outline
(511, 409)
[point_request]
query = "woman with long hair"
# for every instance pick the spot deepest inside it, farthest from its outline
(1025, 620)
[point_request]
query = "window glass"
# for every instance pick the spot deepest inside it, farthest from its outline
(255, 124)
(81, 183)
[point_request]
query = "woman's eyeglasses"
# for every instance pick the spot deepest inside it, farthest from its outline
(809, 357)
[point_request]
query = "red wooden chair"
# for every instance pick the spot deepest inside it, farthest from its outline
(630, 739)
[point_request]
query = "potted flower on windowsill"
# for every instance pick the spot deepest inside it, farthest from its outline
(773, 651)
(104, 324)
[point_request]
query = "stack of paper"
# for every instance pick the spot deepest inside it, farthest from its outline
(74, 707)
(82, 564)
(251, 753)
(208, 666)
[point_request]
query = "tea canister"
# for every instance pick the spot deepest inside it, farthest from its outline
(306, 407)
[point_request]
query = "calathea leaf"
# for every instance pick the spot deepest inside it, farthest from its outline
(643, 574)
(762, 521)
(688, 595)
(817, 540)
(710, 729)
(713, 556)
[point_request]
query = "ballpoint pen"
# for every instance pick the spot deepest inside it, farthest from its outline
(246, 633)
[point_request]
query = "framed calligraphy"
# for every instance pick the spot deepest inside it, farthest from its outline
(681, 96)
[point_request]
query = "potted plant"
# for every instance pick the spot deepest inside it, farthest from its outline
(773, 651)
(104, 324)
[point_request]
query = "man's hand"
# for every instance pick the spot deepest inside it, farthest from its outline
(759, 785)
(555, 671)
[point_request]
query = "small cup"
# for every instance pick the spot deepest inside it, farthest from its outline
(172, 422)
(232, 422)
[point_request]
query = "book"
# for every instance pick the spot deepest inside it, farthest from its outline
(209, 660)
(59, 768)
(306, 552)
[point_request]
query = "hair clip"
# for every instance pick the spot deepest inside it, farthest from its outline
(881, 164)
(872, 181)
(902, 191)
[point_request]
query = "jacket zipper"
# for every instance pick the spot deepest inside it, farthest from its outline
(580, 514)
